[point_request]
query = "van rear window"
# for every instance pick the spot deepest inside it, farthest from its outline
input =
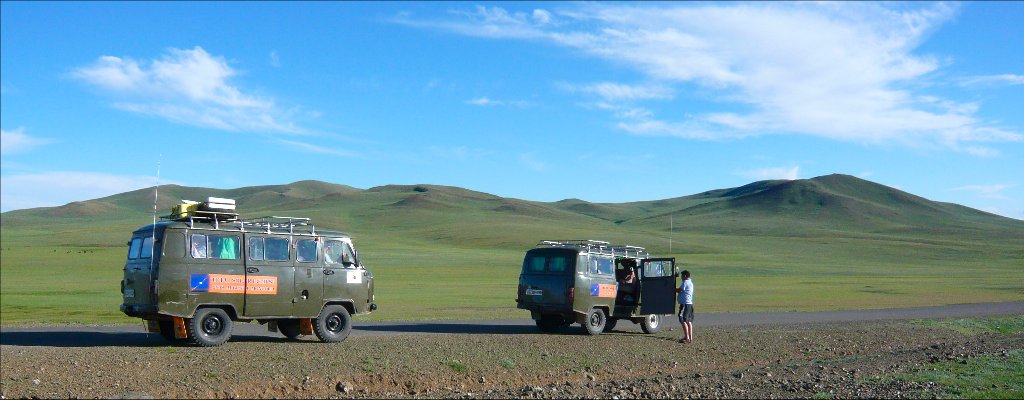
(140, 247)
(134, 247)
(548, 263)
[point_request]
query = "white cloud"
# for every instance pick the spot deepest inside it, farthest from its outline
(318, 149)
(275, 60)
(618, 92)
(845, 71)
(189, 87)
(460, 153)
(986, 80)
(994, 191)
(532, 163)
(772, 173)
(488, 102)
(61, 187)
(16, 141)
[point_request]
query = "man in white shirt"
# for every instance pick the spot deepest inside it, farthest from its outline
(685, 299)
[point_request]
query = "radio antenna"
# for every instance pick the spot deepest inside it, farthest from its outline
(156, 195)
(669, 233)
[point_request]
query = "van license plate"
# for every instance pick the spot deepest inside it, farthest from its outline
(129, 292)
(534, 292)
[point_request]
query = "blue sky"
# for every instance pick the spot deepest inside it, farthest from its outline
(606, 102)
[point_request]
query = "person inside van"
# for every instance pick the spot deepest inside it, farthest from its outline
(628, 283)
(198, 246)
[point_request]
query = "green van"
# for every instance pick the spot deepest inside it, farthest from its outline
(194, 273)
(589, 282)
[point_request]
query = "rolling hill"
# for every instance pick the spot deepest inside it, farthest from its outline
(830, 242)
(833, 204)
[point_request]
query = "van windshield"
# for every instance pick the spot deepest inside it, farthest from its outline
(549, 263)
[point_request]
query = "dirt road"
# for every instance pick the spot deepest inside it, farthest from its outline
(134, 335)
(783, 355)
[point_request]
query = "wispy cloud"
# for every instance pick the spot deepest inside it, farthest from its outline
(489, 102)
(188, 87)
(994, 191)
(790, 173)
(16, 141)
(617, 92)
(327, 149)
(530, 161)
(461, 153)
(62, 187)
(993, 80)
(853, 79)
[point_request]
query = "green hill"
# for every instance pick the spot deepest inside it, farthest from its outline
(829, 242)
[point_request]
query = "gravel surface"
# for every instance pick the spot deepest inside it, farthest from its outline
(784, 360)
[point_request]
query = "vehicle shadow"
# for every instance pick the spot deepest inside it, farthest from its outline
(446, 328)
(69, 338)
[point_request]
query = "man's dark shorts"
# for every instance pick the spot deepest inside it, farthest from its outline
(686, 313)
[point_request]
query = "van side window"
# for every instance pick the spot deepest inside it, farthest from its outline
(147, 247)
(198, 246)
(601, 266)
(306, 251)
(332, 252)
(349, 255)
(256, 249)
(224, 247)
(133, 250)
(277, 249)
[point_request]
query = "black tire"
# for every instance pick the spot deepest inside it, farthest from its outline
(549, 323)
(610, 324)
(651, 323)
(210, 327)
(289, 328)
(334, 324)
(167, 331)
(594, 324)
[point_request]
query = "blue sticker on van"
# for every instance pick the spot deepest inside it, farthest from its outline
(200, 283)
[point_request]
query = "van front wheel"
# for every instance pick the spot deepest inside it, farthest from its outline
(651, 323)
(210, 327)
(333, 324)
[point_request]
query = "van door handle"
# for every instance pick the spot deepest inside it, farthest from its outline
(328, 272)
(252, 270)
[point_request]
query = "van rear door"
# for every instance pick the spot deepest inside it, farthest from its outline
(140, 268)
(547, 277)
(657, 286)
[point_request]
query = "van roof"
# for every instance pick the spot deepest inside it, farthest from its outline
(241, 226)
(596, 247)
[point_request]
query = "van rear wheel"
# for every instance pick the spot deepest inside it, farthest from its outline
(167, 331)
(333, 324)
(610, 324)
(210, 327)
(595, 322)
(549, 323)
(289, 328)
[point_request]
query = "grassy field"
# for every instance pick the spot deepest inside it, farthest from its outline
(986, 377)
(439, 252)
(63, 284)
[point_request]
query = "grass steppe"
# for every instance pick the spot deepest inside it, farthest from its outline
(439, 252)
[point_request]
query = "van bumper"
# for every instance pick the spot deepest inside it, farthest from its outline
(138, 310)
(536, 310)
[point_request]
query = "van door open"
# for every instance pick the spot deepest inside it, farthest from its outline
(657, 286)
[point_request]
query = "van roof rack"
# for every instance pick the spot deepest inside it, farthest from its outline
(599, 247)
(272, 222)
